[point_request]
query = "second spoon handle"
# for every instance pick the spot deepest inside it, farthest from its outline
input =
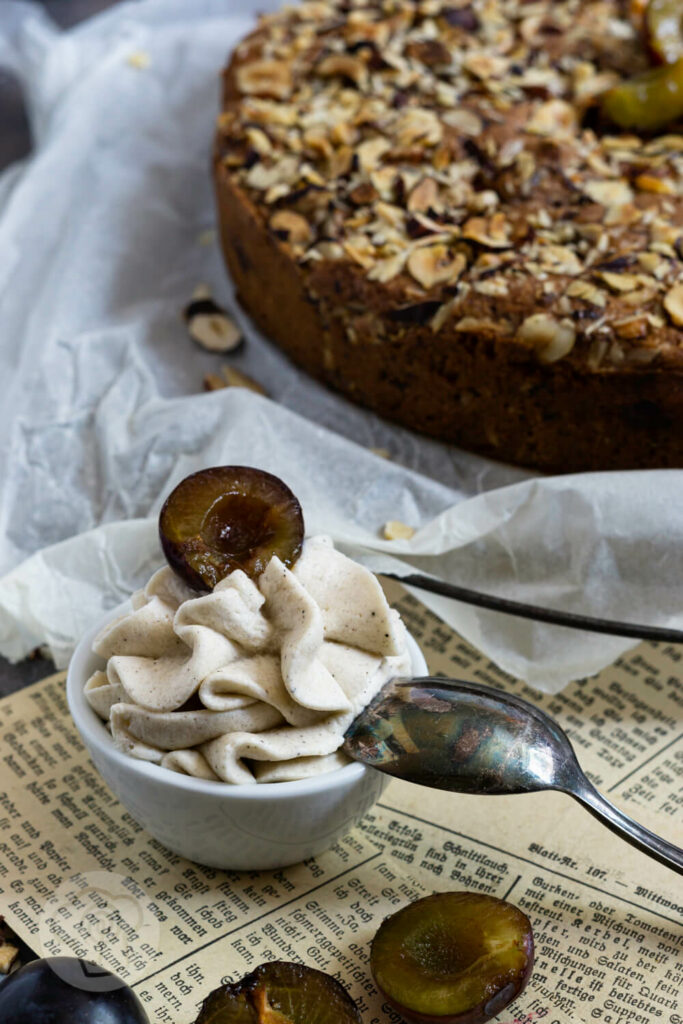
(553, 616)
(622, 825)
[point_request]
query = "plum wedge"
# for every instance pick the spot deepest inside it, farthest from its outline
(453, 958)
(226, 518)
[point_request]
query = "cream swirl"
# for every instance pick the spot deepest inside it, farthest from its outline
(255, 681)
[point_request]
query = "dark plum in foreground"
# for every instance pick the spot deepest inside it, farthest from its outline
(453, 958)
(226, 518)
(281, 993)
(64, 990)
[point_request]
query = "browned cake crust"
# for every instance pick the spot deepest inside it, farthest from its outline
(418, 203)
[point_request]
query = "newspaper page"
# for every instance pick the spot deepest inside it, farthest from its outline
(79, 876)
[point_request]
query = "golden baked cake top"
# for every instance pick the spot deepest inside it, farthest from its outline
(454, 153)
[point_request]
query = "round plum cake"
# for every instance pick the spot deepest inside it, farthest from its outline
(457, 214)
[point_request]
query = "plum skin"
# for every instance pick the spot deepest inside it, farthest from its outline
(491, 1003)
(35, 994)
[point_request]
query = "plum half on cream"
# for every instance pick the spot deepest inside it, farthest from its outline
(257, 679)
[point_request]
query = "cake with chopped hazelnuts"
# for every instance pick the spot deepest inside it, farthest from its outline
(420, 203)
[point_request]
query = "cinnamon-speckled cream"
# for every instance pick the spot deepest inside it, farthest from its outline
(256, 681)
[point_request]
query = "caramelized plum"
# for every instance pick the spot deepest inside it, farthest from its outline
(649, 101)
(229, 517)
(453, 958)
(280, 993)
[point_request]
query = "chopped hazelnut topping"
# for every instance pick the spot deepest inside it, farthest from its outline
(673, 304)
(447, 152)
(551, 339)
(291, 226)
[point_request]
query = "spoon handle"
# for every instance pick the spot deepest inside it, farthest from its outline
(622, 825)
(572, 620)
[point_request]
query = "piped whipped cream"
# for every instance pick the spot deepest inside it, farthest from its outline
(256, 681)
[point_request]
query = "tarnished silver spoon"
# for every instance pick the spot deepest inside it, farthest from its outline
(456, 735)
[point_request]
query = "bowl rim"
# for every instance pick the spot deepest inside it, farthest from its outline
(96, 737)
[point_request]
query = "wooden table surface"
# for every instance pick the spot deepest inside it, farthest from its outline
(15, 143)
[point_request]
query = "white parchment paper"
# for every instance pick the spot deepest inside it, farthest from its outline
(104, 234)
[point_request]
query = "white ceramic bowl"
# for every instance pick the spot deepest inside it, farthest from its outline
(215, 823)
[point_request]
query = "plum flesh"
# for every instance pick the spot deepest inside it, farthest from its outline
(453, 958)
(280, 993)
(226, 518)
(60, 989)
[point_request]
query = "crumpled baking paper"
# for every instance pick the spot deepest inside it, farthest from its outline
(104, 233)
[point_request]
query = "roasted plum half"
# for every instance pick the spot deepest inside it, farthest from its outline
(453, 958)
(60, 989)
(280, 993)
(226, 518)
(647, 102)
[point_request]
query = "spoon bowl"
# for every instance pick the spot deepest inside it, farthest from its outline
(466, 738)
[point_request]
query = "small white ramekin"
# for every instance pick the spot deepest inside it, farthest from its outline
(215, 823)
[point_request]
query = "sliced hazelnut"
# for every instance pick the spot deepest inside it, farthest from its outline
(550, 338)
(340, 162)
(210, 325)
(431, 265)
(560, 259)
(371, 151)
(259, 141)
(423, 196)
(464, 121)
(417, 124)
(386, 270)
(588, 292)
(270, 78)
(496, 287)
(609, 193)
(344, 65)
(396, 530)
(492, 232)
(619, 282)
(291, 226)
(555, 118)
(673, 304)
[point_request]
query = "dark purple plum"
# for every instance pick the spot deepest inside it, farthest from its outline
(64, 990)
(226, 518)
(453, 958)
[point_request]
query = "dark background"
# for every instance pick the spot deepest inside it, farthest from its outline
(15, 138)
(15, 143)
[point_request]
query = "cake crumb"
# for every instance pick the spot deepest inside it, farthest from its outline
(396, 530)
(139, 59)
